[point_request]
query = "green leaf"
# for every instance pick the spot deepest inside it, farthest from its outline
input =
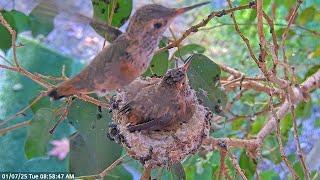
(269, 175)
(17, 21)
(270, 149)
(316, 53)
(184, 51)
(41, 22)
(42, 103)
(177, 171)
(303, 109)
(90, 144)
(306, 15)
(118, 10)
(257, 125)
(288, 3)
(188, 50)
(12, 152)
(252, 16)
(280, 31)
(312, 70)
(298, 169)
(45, 164)
(247, 164)
(21, 20)
(204, 76)
(285, 126)
(31, 56)
(317, 123)
(158, 65)
(5, 42)
(38, 133)
(159, 62)
(237, 124)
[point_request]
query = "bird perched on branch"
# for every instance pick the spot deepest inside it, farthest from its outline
(127, 57)
(160, 105)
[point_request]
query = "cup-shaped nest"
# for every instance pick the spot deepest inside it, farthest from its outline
(162, 147)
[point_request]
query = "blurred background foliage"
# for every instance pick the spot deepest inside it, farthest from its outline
(39, 51)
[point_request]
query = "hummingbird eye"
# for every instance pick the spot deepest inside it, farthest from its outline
(157, 25)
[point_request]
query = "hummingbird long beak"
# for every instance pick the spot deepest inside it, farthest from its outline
(179, 11)
(187, 63)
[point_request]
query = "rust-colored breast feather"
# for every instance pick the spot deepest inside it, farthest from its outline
(128, 70)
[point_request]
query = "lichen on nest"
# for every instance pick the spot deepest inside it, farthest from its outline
(162, 147)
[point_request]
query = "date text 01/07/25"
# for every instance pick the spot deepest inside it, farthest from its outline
(35, 175)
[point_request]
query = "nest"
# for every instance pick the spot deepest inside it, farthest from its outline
(164, 147)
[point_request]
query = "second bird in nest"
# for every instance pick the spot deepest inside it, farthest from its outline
(162, 105)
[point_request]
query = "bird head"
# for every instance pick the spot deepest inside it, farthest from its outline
(176, 78)
(153, 19)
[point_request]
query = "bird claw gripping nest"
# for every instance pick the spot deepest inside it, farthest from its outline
(159, 147)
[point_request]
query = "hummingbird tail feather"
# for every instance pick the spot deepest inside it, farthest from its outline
(63, 90)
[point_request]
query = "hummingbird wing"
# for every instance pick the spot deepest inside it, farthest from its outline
(152, 124)
(48, 9)
(126, 108)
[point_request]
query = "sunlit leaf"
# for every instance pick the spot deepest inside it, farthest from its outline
(298, 169)
(317, 123)
(5, 42)
(311, 71)
(247, 164)
(114, 12)
(306, 15)
(285, 126)
(269, 175)
(237, 124)
(257, 125)
(303, 109)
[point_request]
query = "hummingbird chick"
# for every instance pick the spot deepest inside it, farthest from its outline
(127, 57)
(162, 105)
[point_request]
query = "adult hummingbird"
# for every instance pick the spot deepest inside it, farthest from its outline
(125, 58)
(161, 105)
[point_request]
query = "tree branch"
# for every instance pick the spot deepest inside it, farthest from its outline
(203, 23)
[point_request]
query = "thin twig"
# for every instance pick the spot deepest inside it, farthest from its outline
(284, 37)
(106, 171)
(6, 60)
(316, 33)
(261, 35)
(223, 153)
(278, 136)
(274, 40)
(63, 116)
(13, 36)
(21, 112)
(234, 161)
(203, 23)
(14, 127)
(297, 142)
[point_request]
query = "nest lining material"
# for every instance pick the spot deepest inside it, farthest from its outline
(160, 148)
